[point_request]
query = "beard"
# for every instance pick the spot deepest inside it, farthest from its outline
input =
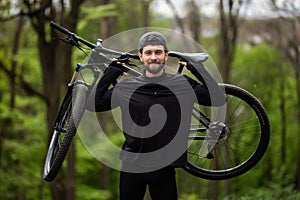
(155, 69)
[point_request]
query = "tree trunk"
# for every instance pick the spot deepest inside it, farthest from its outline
(283, 118)
(194, 19)
(55, 59)
(103, 118)
(177, 18)
(287, 39)
(213, 190)
(145, 12)
(228, 37)
(294, 55)
(297, 180)
(229, 17)
(15, 49)
(108, 24)
(70, 178)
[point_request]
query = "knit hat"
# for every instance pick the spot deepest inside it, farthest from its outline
(152, 38)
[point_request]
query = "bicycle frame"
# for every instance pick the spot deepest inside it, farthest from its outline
(66, 102)
(101, 61)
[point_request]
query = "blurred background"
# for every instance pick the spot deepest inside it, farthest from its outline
(255, 44)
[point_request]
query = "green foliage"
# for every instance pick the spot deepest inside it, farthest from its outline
(90, 25)
(29, 67)
(86, 192)
(23, 132)
(22, 127)
(189, 197)
(88, 177)
(23, 149)
(265, 194)
(161, 22)
(257, 63)
(266, 72)
(96, 13)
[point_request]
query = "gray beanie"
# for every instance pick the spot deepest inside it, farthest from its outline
(152, 38)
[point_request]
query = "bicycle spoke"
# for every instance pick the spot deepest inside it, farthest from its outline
(239, 141)
(244, 122)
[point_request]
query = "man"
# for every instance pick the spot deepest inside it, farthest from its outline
(156, 114)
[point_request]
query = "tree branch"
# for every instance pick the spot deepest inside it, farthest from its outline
(27, 87)
(176, 15)
(30, 90)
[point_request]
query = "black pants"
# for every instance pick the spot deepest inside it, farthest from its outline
(162, 185)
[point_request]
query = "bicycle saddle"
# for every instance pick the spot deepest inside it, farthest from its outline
(190, 57)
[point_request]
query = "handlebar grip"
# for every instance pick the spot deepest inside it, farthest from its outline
(69, 33)
(60, 28)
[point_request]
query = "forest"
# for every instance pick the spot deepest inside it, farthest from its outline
(255, 45)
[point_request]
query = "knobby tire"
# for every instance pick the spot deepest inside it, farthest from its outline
(58, 148)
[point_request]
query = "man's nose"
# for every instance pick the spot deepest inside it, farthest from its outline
(153, 56)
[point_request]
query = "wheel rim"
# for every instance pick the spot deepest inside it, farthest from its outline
(236, 145)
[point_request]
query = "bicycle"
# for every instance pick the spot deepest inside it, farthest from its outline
(239, 142)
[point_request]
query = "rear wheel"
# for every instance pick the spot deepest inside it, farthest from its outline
(230, 148)
(64, 132)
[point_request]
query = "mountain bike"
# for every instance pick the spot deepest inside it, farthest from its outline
(217, 150)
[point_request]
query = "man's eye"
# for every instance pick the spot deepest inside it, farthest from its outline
(158, 52)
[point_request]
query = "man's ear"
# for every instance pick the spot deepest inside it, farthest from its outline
(167, 55)
(140, 55)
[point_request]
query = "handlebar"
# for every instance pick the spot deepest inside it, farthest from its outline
(123, 57)
(71, 35)
(89, 44)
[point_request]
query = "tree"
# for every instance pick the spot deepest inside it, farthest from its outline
(229, 23)
(229, 12)
(285, 35)
(177, 18)
(54, 57)
(194, 19)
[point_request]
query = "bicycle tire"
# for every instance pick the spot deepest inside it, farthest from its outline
(246, 141)
(60, 141)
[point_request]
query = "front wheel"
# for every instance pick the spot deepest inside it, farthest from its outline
(241, 143)
(64, 131)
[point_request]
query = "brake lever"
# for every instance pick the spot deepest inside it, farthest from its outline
(71, 41)
(126, 61)
(131, 64)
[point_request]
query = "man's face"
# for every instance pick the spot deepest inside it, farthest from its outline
(153, 57)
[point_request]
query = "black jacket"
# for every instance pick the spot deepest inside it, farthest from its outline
(156, 114)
